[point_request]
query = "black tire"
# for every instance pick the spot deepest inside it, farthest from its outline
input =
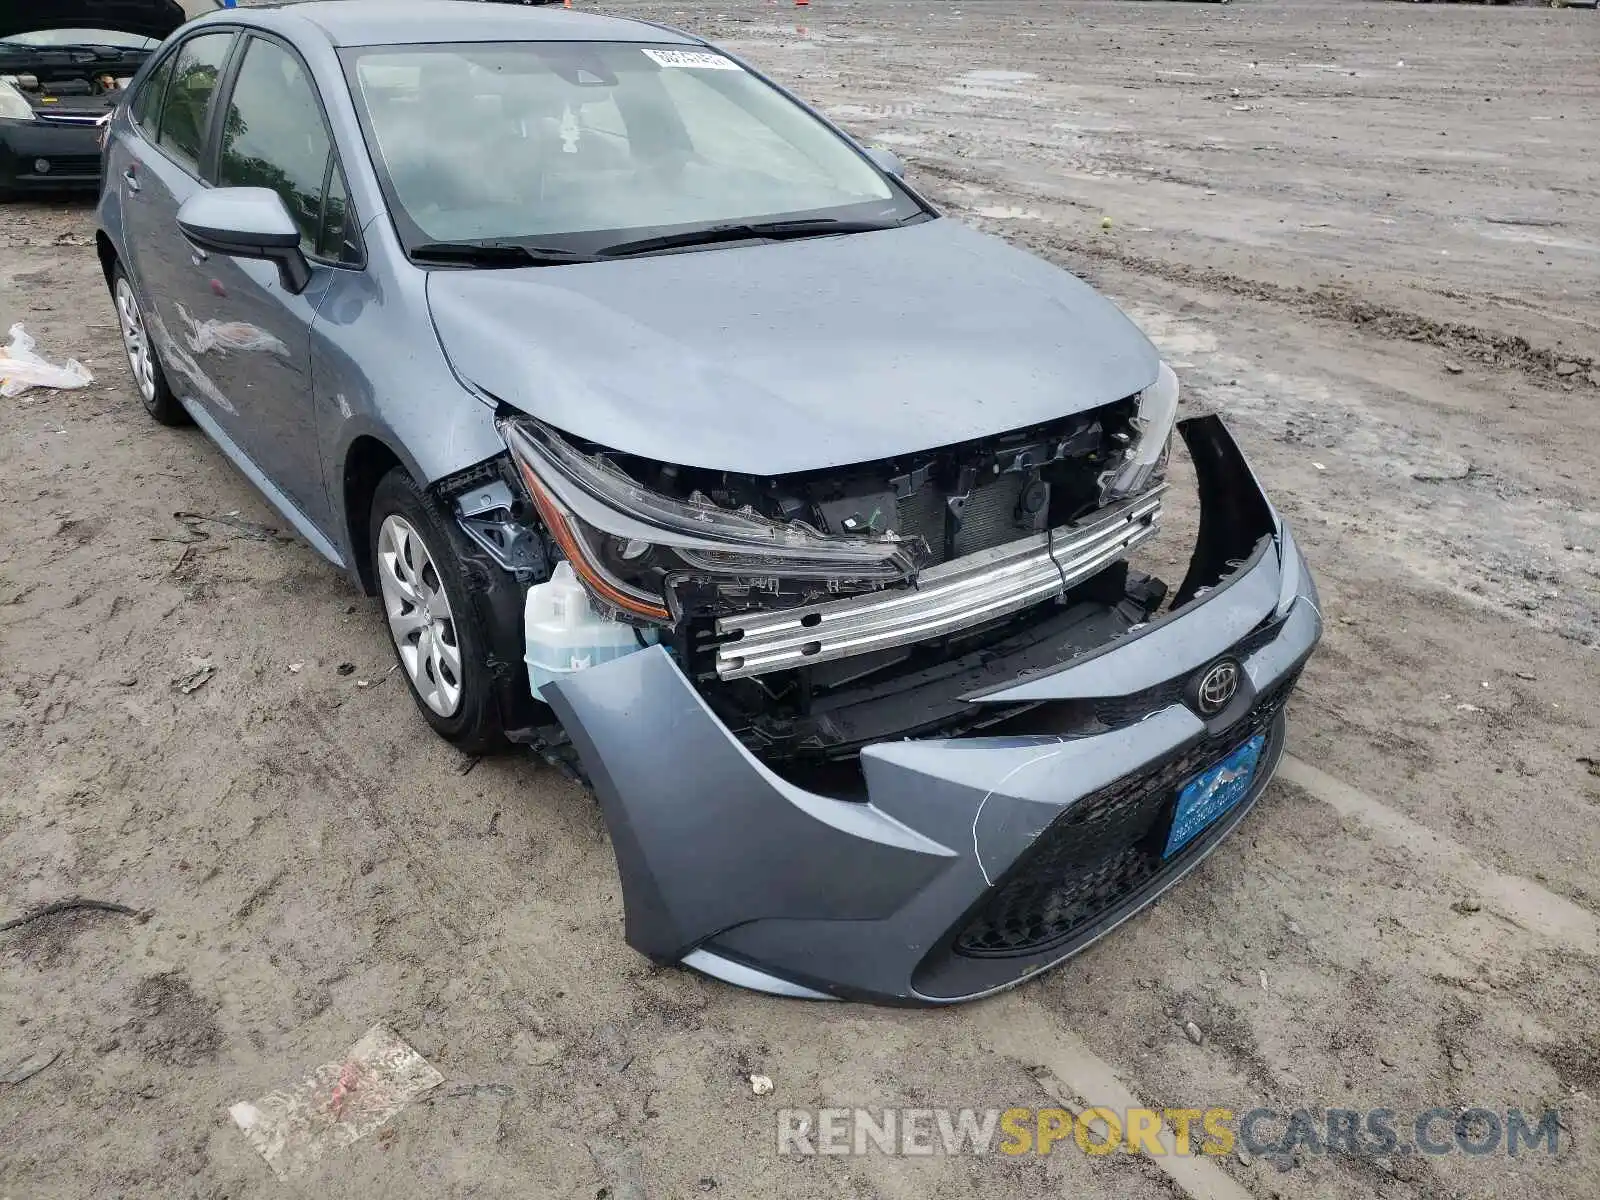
(485, 612)
(160, 403)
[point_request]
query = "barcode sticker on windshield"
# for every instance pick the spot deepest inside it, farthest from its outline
(694, 59)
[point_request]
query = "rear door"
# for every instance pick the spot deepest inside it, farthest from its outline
(159, 170)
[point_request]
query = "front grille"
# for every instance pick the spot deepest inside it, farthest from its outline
(1103, 849)
(1117, 711)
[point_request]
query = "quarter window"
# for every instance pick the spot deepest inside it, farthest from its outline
(273, 136)
(147, 104)
(337, 239)
(187, 110)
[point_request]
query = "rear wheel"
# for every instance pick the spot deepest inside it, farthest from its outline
(450, 655)
(148, 377)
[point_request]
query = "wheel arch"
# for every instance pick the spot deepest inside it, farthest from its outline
(366, 460)
(106, 252)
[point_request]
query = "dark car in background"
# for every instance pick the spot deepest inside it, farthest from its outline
(64, 66)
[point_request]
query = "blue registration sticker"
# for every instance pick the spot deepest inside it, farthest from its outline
(1213, 792)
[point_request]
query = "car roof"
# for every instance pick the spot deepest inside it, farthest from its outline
(410, 22)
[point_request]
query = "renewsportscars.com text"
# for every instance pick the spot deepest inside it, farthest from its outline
(1374, 1133)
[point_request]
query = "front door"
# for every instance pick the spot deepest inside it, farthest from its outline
(249, 333)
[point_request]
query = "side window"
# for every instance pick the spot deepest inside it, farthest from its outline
(147, 104)
(188, 103)
(273, 136)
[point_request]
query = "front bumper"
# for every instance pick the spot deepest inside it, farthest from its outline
(973, 862)
(68, 154)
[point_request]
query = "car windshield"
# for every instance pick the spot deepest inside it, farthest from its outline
(81, 37)
(582, 146)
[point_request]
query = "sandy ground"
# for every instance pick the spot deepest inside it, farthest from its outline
(1369, 234)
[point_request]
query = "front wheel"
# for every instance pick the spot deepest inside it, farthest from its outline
(445, 649)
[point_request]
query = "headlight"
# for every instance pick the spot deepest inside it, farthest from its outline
(14, 104)
(1146, 458)
(629, 544)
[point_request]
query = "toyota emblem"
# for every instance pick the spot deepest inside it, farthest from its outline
(1217, 686)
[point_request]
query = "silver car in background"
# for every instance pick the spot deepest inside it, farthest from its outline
(682, 441)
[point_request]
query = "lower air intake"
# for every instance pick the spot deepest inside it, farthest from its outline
(1102, 849)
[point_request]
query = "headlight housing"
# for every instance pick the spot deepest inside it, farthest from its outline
(630, 544)
(13, 104)
(1146, 458)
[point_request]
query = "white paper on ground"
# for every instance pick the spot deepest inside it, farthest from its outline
(336, 1104)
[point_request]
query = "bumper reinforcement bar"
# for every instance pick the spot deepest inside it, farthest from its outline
(951, 596)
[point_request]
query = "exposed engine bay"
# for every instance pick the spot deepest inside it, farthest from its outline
(879, 596)
(952, 501)
(98, 92)
(64, 82)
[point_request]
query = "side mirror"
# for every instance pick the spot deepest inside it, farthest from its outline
(247, 222)
(887, 161)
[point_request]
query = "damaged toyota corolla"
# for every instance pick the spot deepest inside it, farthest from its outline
(685, 443)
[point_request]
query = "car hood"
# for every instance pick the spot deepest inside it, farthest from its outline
(145, 18)
(793, 356)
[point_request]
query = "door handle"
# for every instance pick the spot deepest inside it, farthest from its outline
(132, 180)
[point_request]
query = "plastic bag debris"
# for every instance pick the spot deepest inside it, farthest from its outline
(21, 368)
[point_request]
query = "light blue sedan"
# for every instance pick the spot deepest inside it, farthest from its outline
(591, 352)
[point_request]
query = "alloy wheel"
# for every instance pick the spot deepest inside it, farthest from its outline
(136, 341)
(420, 620)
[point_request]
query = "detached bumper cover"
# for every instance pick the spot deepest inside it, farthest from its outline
(976, 861)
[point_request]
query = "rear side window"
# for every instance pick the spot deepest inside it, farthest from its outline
(147, 103)
(273, 136)
(188, 100)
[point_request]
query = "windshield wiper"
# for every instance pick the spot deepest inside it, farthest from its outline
(742, 232)
(495, 254)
